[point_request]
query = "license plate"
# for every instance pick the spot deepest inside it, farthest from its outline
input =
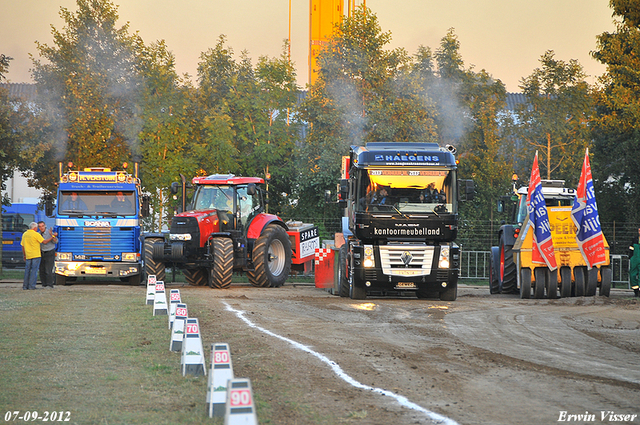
(90, 270)
(406, 285)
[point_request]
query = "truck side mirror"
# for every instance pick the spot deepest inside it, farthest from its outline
(470, 189)
(344, 190)
(327, 196)
(145, 206)
(48, 206)
(175, 187)
(251, 189)
(500, 205)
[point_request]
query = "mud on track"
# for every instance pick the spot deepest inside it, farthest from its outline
(479, 360)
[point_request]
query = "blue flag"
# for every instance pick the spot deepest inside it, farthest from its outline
(585, 216)
(543, 252)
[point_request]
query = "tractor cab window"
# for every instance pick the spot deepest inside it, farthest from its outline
(407, 190)
(219, 197)
(248, 205)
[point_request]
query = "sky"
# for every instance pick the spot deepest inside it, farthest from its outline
(504, 37)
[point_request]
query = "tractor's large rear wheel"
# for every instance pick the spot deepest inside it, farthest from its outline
(152, 266)
(222, 270)
(494, 282)
(196, 277)
(271, 258)
(507, 270)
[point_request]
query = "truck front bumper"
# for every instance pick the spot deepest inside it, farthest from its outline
(96, 268)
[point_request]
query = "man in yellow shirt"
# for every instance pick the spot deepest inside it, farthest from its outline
(31, 241)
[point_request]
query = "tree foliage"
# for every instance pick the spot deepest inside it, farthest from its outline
(616, 124)
(555, 119)
(89, 83)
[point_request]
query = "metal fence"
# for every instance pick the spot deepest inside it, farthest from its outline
(475, 237)
(475, 265)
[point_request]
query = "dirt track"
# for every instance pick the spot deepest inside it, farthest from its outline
(479, 360)
(482, 359)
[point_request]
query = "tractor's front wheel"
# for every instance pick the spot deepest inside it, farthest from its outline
(222, 270)
(196, 277)
(152, 266)
(271, 258)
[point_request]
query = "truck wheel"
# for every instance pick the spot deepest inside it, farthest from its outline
(592, 282)
(552, 284)
(507, 270)
(525, 283)
(565, 282)
(494, 283)
(356, 292)
(135, 280)
(540, 273)
(580, 275)
(271, 258)
(451, 293)
(151, 266)
(222, 270)
(343, 281)
(196, 277)
(606, 278)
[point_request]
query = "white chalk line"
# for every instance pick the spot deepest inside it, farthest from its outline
(403, 401)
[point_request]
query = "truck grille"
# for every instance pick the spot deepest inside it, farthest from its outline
(406, 260)
(97, 241)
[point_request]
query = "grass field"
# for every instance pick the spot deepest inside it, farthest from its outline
(101, 357)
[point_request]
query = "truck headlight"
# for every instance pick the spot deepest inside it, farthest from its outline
(63, 256)
(369, 258)
(129, 256)
(443, 262)
(180, 237)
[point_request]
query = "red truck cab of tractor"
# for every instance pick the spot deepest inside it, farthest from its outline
(225, 229)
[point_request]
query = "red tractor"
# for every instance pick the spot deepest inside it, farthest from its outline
(225, 229)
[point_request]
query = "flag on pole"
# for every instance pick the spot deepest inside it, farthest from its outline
(543, 252)
(585, 216)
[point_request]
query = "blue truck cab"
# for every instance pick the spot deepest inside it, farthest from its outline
(15, 221)
(98, 220)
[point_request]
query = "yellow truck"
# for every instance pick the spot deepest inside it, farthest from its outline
(512, 267)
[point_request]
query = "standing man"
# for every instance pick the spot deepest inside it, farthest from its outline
(48, 254)
(31, 241)
(634, 264)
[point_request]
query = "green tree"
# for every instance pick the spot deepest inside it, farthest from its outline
(256, 104)
(166, 133)
(616, 125)
(89, 83)
(555, 119)
(469, 105)
(363, 93)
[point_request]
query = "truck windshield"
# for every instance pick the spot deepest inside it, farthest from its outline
(208, 197)
(115, 202)
(410, 190)
(16, 222)
(549, 201)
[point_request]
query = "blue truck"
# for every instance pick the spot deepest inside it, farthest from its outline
(15, 221)
(98, 220)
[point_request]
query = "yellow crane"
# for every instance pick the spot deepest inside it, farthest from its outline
(324, 15)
